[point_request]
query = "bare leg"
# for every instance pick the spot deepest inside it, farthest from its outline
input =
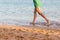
(40, 13)
(35, 15)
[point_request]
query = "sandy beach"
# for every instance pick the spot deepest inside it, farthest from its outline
(16, 16)
(15, 32)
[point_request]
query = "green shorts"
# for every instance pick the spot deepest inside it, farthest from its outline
(36, 3)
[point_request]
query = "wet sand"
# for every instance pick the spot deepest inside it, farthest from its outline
(15, 32)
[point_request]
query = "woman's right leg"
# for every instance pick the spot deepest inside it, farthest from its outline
(40, 13)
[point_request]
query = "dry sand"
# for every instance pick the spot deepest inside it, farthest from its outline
(15, 32)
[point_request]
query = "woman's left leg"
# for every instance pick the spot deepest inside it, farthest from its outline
(35, 16)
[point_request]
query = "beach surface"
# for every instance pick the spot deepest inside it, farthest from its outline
(16, 15)
(24, 32)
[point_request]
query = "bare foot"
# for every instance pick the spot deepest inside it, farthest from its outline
(48, 22)
(32, 23)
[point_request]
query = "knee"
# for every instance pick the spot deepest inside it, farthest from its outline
(34, 12)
